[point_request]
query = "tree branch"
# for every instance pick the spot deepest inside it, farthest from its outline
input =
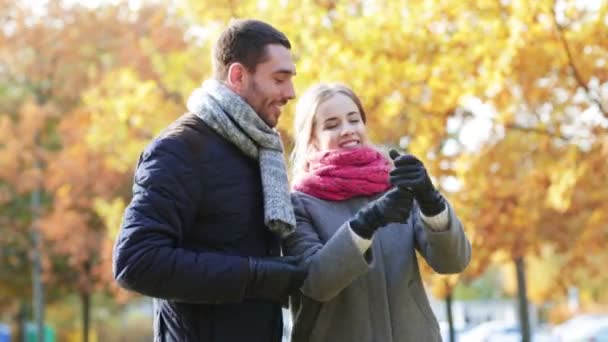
(539, 131)
(577, 74)
(167, 93)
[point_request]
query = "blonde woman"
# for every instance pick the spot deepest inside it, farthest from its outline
(362, 217)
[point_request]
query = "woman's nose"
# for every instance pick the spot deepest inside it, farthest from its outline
(346, 131)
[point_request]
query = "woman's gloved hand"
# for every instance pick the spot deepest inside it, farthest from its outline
(392, 207)
(410, 173)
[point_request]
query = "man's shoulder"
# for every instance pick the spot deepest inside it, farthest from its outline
(187, 130)
(185, 126)
(181, 139)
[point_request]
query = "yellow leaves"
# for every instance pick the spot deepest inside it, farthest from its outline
(111, 211)
(562, 186)
(118, 82)
(126, 113)
(21, 149)
(63, 191)
(9, 150)
(32, 119)
(178, 71)
(597, 219)
(442, 285)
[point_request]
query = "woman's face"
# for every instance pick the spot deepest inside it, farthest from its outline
(338, 125)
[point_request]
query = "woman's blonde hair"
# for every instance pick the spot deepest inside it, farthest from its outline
(306, 110)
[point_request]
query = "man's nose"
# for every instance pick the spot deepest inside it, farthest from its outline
(289, 92)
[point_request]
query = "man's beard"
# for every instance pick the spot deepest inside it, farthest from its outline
(251, 95)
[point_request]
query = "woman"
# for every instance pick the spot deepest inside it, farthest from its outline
(362, 224)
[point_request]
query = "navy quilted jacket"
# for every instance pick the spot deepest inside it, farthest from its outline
(195, 216)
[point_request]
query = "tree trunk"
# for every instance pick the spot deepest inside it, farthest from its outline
(86, 315)
(522, 297)
(448, 305)
(20, 322)
(37, 286)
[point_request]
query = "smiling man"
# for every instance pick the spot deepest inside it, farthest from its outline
(211, 202)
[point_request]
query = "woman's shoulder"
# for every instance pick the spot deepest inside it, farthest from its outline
(299, 195)
(302, 196)
(301, 199)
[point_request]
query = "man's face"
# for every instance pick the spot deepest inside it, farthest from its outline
(270, 87)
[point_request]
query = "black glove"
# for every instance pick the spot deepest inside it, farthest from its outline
(410, 173)
(394, 206)
(275, 278)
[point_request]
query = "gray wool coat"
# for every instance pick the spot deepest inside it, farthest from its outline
(374, 296)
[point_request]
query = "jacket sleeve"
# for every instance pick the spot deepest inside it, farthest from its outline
(147, 257)
(447, 251)
(333, 265)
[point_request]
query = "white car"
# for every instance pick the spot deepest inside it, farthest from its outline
(583, 328)
(502, 331)
(490, 331)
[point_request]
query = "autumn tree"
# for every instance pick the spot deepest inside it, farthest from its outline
(49, 55)
(107, 80)
(548, 131)
(423, 68)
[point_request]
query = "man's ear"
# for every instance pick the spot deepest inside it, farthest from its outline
(237, 77)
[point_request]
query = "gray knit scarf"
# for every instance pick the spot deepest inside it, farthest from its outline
(232, 118)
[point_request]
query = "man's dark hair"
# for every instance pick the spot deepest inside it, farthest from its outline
(244, 41)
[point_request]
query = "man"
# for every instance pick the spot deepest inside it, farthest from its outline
(211, 202)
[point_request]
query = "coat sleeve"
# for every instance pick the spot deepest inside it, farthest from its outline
(447, 251)
(147, 257)
(333, 265)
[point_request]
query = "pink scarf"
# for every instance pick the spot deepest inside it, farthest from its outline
(342, 174)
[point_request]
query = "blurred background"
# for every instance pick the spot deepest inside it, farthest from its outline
(506, 102)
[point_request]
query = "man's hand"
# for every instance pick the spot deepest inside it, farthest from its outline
(410, 173)
(275, 278)
(392, 207)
